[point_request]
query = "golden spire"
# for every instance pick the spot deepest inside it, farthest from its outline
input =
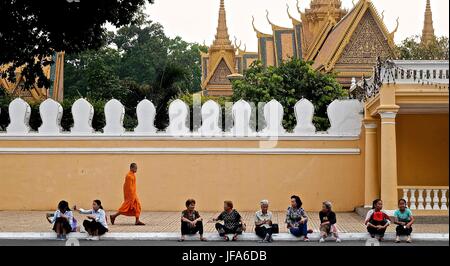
(222, 40)
(428, 29)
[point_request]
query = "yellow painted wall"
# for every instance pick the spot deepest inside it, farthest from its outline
(422, 150)
(38, 182)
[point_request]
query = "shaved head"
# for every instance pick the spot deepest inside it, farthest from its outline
(133, 167)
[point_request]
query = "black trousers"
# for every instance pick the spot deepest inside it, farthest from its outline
(91, 226)
(374, 231)
(262, 231)
(225, 230)
(65, 224)
(186, 229)
(402, 231)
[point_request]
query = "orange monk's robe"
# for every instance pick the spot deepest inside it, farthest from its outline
(131, 205)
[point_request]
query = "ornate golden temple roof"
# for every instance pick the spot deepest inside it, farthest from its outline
(220, 60)
(428, 29)
(340, 36)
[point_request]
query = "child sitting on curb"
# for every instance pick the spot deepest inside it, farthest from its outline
(62, 220)
(328, 223)
(404, 221)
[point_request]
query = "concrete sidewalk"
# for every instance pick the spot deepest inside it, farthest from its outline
(213, 237)
(166, 226)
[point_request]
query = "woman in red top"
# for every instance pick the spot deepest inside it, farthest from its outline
(377, 220)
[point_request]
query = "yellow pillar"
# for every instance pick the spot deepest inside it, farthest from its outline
(389, 193)
(371, 180)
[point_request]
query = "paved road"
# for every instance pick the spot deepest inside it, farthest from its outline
(198, 243)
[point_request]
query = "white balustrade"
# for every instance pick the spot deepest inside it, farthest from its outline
(436, 199)
(210, 119)
(345, 118)
(178, 115)
(425, 200)
(242, 112)
(428, 200)
(114, 115)
(304, 113)
(420, 200)
(411, 71)
(444, 199)
(273, 115)
(412, 200)
(51, 113)
(82, 113)
(19, 117)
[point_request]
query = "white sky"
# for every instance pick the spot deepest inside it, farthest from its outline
(196, 20)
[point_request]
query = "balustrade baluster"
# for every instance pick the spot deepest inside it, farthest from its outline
(436, 199)
(413, 200)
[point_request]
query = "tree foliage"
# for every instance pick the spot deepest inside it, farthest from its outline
(33, 30)
(291, 81)
(412, 49)
(138, 61)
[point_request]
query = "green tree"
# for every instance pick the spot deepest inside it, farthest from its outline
(291, 81)
(93, 74)
(412, 49)
(5, 99)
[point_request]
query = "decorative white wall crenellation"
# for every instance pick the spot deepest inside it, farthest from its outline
(345, 117)
(413, 71)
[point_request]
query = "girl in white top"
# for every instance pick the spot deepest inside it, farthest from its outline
(96, 225)
(62, 220)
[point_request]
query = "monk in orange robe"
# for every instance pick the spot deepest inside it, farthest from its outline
(131, 205)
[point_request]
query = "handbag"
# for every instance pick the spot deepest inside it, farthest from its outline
(275, 229)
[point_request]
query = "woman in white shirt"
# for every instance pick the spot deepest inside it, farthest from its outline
(96, 225)
(62, 220)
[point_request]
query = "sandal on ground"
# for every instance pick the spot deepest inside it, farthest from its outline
(139, 223)
(226, 238)
(235, 238)
(203, 239)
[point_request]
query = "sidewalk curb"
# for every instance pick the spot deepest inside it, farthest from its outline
(210, 236)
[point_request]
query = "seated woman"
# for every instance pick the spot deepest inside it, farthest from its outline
(263, 222)
(377, 220)
(96, 224)
(296, 219)
(232, 222)
(62, 220)
(328, 223)
(404, 221)
(191, 222)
